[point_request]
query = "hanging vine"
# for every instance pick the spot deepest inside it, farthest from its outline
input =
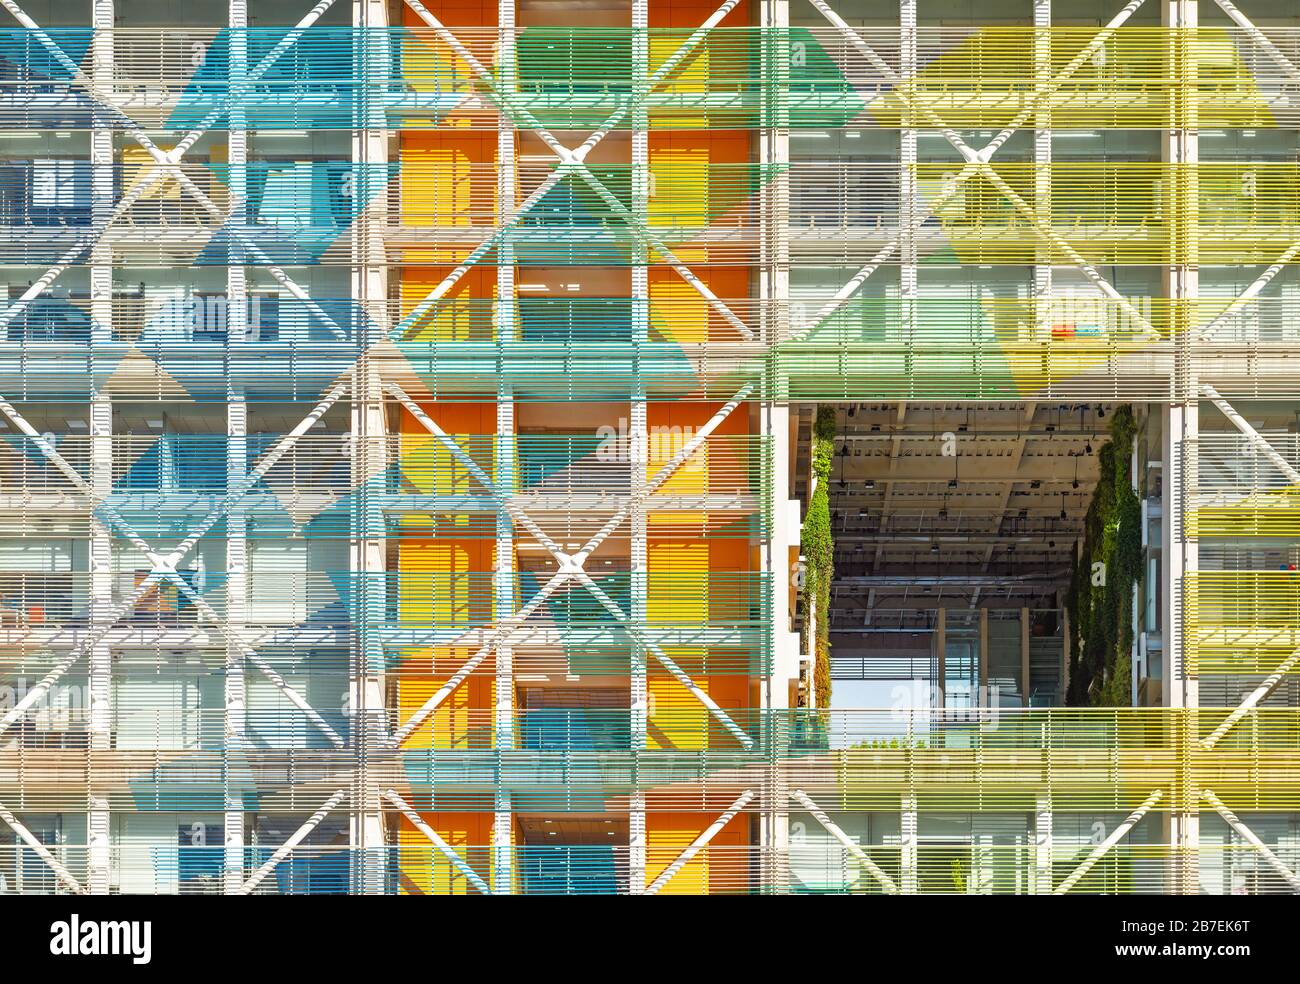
(819, 554)
(1108, 566)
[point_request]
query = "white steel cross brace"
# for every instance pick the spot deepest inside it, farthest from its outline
(1249, 836)
(1270, 683)
(43, 852)
(977, 162)
(1256, 439)
(574, 161)
(570, 567)
(1263, 280)
(1252, 700)
(699, 844)
(856, 850)
(165, 163)
(165, 567)
(445, 849)
(1104, 847)
(296, 838)
(1256, 35)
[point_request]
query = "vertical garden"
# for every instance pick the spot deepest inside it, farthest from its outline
(1108, 565)
(819, 556)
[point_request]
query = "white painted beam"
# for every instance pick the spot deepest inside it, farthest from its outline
(445, 849)
(43, 852)
(1249, 836)
(1104, 847)
(699, 843)
(876, 872)
(296, 838)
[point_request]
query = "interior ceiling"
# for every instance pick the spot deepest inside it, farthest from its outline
(570, 830)
(917, 527)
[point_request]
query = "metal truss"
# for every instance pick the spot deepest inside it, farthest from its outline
(165, 566)
(977, 162)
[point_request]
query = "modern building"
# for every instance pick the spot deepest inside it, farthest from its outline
(649, 446)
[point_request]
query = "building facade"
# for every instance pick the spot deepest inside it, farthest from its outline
(649, 447)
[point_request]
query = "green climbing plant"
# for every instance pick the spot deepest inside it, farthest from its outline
(958, 876)
(819, 553)
(1105, 571)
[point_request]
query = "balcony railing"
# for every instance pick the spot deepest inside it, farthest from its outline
(965, 864)
(335, 77)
